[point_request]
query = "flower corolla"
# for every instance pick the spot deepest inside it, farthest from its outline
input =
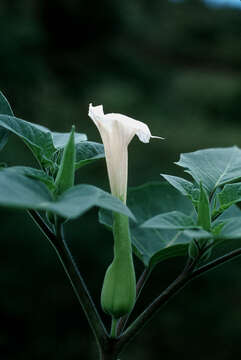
(117, 131)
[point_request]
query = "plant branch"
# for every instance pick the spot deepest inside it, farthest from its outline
(76, 280)
(215, 263)
(44, 228)
(104, 342)
(187, 275)
(155, 306)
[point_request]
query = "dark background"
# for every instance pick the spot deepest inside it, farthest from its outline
(175, 66)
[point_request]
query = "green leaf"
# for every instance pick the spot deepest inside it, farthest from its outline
(22, 192)
(19, 191)
(41, 141)
(230, 221)
(5, 108)
(33, 174)
(198, 234)
(38, 139)
(226, 231)
(146, 201)
(185, 187)
(61, 139)
(231, 212)
(87, 152)
(3, 138)
(230, 194)
(174, 220)
(80, 198)
(213, 167)
(231, 229)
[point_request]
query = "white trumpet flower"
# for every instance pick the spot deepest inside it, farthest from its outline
(117, 131)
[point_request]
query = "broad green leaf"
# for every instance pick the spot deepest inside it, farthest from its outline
(87, 152)
(19, 191)
(22, 192)
(38, 139)
(197, 234)
(44, 144)
(230, 230)
(61, 139)
(185, 187)
(80, 198)
(147, 201)
(226, 231)
(230, 219)
(5, 108)
(3, 138)
(230, 194)
(174, 220)
(34, 174)
(232, 211)
(213, 167)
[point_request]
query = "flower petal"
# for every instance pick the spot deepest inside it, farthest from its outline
(117, 131)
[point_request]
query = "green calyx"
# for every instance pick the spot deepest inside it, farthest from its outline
(119, 287)
(65, 176)
(204, 214)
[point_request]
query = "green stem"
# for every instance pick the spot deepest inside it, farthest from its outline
(113, 332)
(76, 280)
(182, 280)
(215, 263)
(44, 228)
(110, 347)
(155, 306)
(110, 352)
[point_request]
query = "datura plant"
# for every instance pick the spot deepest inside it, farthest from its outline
(186, 218)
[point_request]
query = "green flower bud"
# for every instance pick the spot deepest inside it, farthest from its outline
(119, 287)
(65, 176)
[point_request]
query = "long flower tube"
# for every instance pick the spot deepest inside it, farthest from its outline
(116, 130)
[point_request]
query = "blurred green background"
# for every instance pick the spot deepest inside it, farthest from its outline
(175, 66)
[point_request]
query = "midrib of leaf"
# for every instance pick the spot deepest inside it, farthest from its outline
(173, 239)
(225, 170)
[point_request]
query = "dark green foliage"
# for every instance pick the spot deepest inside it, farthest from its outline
(154, 245)
(175, 66)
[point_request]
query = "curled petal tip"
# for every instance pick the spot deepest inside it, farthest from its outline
(95, 111)
(158, 137)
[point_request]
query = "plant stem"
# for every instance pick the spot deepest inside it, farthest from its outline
(76, 280)
(111, 347)
(155, 306)
(215, 263)
(187, 275)
(113, 331)
(110, 352)
(44, 228)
